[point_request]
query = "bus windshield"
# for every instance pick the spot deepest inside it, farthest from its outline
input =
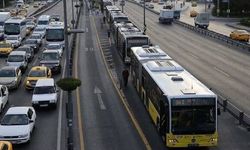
(12, 29)
(137, 41)
(55, 34)
(193, 119)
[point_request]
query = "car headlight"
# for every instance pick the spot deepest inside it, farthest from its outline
(13, 82)
(27, 82)
(23, 135)
(52, 101)
(35, 102)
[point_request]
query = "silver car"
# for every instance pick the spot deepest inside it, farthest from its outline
(40, 30)
(10, 76)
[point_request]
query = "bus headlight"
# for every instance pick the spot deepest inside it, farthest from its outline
(213, 140)
(172, 141)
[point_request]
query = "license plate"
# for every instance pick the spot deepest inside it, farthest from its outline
(193, 145)
(44, 105)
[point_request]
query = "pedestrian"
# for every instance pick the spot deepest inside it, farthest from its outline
(104, 19)
(125, 75)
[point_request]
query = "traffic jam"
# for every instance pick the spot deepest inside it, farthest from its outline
(31, 51)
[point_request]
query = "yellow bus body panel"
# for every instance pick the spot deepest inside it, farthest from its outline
(202, 140)
(153, 112)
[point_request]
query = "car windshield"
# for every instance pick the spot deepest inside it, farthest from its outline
(37, 73)
(25, 49)
(44, 90)
(15, 119)
(6, 45)
(53, 46)
(30, 42)
(7, 73)
(15, 58)
(34, 37)
(50, 56)
(39, 29)
(30, 23)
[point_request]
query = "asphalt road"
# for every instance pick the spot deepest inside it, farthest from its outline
(106, 124)
(218, 66)
(45, 133)
(224, 69)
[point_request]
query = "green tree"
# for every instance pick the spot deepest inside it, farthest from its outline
(239, 8)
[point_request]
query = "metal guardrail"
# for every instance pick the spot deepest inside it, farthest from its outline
(243, 118)
(44, 8)
(227, 106)
(209, 33)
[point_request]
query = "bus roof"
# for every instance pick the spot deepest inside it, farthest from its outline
(174, 81)
(44, 17)
(147, 53)
(15, 20)
(112, 8)
(56, 25)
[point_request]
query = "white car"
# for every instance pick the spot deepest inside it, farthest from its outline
(40, 30)
(4, 97)
(55, 46)
(17, 124)
(45, 93)
(31, 25)
(14, 40)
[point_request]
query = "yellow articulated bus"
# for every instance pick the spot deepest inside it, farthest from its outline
(183, 109)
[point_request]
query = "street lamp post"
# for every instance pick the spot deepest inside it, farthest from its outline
(69, 115)
(228, 8)
(73, 16)
(144, 18)
(218, 7)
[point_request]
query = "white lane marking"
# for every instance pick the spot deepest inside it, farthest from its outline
(59, 125)
(221, 71)
(98, 92)
(34, 63)
(196, 57)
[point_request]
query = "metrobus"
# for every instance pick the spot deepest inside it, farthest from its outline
(116, 25)
(117, 16)
(109, 10)
(15, 26)
(140, 55)
(183, 109)
(55, 33)
(127, 38)
(106, 3)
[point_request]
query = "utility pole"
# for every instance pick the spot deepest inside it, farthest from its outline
(218, 7)
(69, 115)
(3, 3)
(205, 5)
(228, 8)
(144, 18)
(73, 16)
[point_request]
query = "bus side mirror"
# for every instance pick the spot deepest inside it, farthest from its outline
(218, 111)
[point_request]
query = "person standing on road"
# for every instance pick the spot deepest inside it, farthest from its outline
(125, 75)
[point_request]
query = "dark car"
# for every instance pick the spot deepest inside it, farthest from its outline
(37, 37)
(1, 36)
(52, 60)
(55, 17)
(32, 43)
(29, 50)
